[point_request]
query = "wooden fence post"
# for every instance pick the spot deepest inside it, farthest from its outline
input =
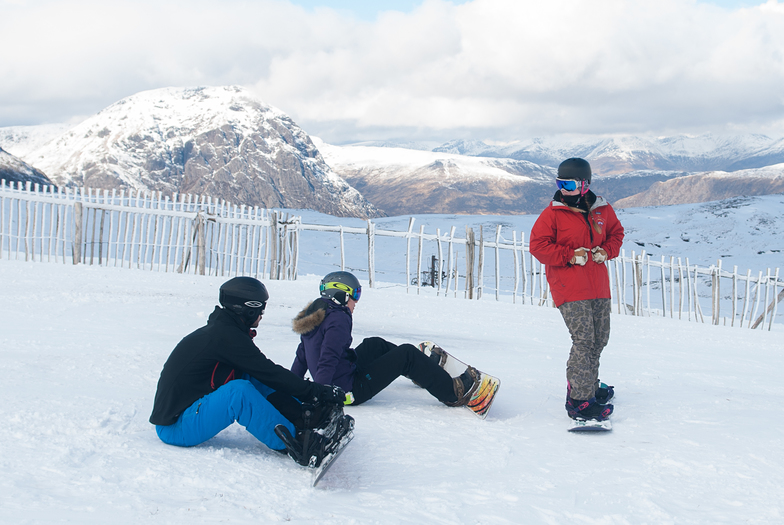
(342, 251)
(77, 242)
(408, 252)
(480, 285)
(201, 242)
(371, 233)
(419, 258)
(452, 264)
(439, 271)
(776, 300)
(516, 267)
(469, 279)
(497, 261)
(761, 319)
(273, 242)
(772, 307)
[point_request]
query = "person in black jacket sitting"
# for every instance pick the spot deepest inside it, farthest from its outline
(216, 375)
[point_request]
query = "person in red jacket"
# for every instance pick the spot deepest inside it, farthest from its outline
(573, 237)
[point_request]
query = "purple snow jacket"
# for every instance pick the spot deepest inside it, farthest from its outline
(325, 344)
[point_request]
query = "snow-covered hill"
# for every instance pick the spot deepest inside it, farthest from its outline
(222, 142)
(21, 140)
(14, 169)
(405, 181)
(709, 187)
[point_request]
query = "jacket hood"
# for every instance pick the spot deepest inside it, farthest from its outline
(313, 315)
(593, 201)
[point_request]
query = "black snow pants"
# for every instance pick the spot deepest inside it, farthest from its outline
(380, 362)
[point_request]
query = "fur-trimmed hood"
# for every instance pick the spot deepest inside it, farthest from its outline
(313, 315)
(309, 318)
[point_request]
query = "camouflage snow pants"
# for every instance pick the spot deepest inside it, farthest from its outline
(589, 325)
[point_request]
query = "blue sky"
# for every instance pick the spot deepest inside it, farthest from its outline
(369, 9)
(435, 70)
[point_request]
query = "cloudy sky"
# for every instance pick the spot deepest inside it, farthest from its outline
(432, 70)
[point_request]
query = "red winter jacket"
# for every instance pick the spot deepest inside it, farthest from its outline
(559, 231)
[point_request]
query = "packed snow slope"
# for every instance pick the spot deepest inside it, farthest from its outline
(696, 439)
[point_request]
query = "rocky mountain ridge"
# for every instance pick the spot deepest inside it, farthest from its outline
(14, 169)
(220, 141)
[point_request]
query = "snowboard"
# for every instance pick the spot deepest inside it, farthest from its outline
(591, 425)
(485, 388)
(328, 451)
(330, 458)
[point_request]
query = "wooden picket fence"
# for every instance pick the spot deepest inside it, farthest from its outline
(205, 236)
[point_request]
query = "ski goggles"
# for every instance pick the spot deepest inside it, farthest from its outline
(353, 293)
(571, 185)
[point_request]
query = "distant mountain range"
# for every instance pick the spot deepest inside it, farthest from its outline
(624, 154)
(473, 177)
(226, 143)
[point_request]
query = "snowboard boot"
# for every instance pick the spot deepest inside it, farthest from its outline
(604, 393)
(465, 385)
(307, 448)
(312, 445)
(437, 354)
(588, 409)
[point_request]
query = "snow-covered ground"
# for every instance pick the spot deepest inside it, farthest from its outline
(697, 435)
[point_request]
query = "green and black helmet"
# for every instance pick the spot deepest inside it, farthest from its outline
(340, 286)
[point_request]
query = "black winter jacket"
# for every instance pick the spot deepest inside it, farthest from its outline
(211, 356)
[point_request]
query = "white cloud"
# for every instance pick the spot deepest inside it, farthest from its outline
(488, 68)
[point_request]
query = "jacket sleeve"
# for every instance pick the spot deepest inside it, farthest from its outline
(542, 242)
(249, 359)
(337, 339)
(614, 236)
(300, 365)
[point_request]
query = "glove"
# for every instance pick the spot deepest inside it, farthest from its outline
(598, 254)
(580, 256)
(332, 395)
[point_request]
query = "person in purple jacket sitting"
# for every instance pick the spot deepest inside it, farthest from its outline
(325, 350)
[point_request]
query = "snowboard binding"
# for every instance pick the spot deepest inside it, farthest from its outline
(474, 389)
(311, 445)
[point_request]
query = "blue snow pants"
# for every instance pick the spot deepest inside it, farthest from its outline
(242, 400)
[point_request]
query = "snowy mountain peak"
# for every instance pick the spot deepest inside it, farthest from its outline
(218, 141)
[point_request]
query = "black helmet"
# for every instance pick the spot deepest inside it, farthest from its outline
(575, 169)
(339, 286)
(244, 296)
